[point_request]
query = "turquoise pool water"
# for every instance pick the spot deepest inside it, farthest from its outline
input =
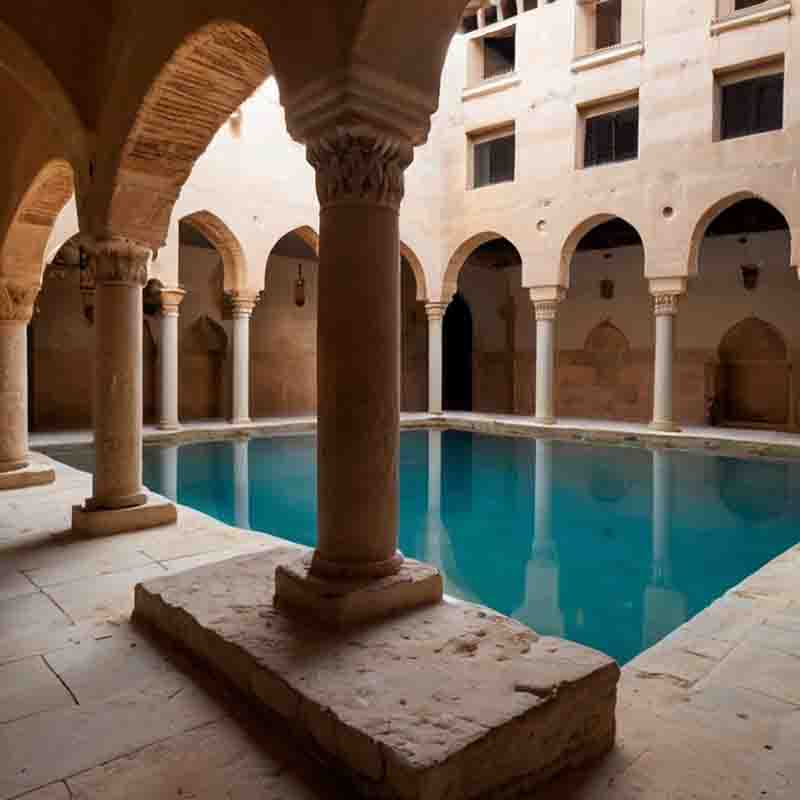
(611, 547)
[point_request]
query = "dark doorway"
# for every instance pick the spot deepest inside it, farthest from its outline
(457, 354)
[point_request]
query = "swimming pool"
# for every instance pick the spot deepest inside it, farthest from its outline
(613, 547)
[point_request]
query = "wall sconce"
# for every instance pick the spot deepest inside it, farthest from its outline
(607, 289)
(300, 288)
(750, 274)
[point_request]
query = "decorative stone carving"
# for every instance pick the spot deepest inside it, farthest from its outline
(17, 301)
(360, 167)
(171, 299)
(666, 304)
(436, 311)
(119, 260)
(546, 309)
(243, 303)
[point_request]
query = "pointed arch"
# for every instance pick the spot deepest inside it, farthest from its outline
(573, 240)
(234, 263)
(309, 236)
(753, 339)
(459, 258)
(23, 251)
(714, 211)
(208, 77)
(416, 267)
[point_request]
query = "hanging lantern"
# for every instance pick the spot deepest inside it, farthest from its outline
(300, 288)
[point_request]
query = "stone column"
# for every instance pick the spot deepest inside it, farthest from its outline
(121, 273)
(170, 303)
(119, 502)
(243, 305)
(360, 185)
(666, 308)
(241, 482)
(16, 309)
(435, 312)
(545, 310)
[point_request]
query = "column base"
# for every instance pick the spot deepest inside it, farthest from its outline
(169, 426)
(342, 603)
(545, 420)
(242, 421)
(664, 426)
(26, 476)
(154, 513)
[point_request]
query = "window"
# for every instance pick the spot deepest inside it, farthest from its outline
(611, 137)
(499, 53)
(493, 160)
(608, 25)
(752, 106)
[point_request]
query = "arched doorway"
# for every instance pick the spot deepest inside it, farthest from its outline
(605, 360)
(753, 379)
(732, 326)
(457, 351)
(413, 341)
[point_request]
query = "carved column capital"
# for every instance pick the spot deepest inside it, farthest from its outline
(545, 309)
(17, 301)
(666, 304)
(171, 299)
(121, 261)
(360, 166)
(243, 303)
(436, 311)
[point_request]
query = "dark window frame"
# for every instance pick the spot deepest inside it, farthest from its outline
(495, 171)
(616, 151)
(752, 114)
(488, 42)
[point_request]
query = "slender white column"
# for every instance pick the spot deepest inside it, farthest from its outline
(170, 304)
(435, 312)
(360, 188)
(546, 311)
(16, 309)
(121, 273)
(241, 482)
(168, 462)
(243, 305)
(666, 308)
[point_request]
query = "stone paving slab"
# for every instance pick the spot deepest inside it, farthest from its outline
(28, 687)
(449, 701)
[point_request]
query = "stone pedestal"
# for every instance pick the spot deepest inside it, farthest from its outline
(243, 304)
(121, 272)
(16, 309)
(435, 312)
(168, 356)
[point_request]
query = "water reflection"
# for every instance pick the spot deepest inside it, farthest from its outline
(611, 547)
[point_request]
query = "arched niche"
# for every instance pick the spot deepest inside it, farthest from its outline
(457, 356)
(607, 350)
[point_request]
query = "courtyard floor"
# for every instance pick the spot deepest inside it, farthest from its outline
(92, 707)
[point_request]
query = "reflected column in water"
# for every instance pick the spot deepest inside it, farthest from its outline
(541, 609)
(241, 483)
(168, 465)
(664, 607)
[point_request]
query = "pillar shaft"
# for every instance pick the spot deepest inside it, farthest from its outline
(170, 303)
(360, 187)
(16, 308)
(666, 308)
(121, 270)
(435, 312)
(243, 306)
(545, 360)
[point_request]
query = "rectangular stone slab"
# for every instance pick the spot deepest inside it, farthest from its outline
(448, 701)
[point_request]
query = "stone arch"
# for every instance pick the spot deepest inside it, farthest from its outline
(573, 240)
(23, 251)
(753, 383)
(459, 258)
(27, 68)
(416, 267)
(208, 77)
(234, 263)
(712, 212)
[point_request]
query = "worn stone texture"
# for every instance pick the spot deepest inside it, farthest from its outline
(444, 702)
